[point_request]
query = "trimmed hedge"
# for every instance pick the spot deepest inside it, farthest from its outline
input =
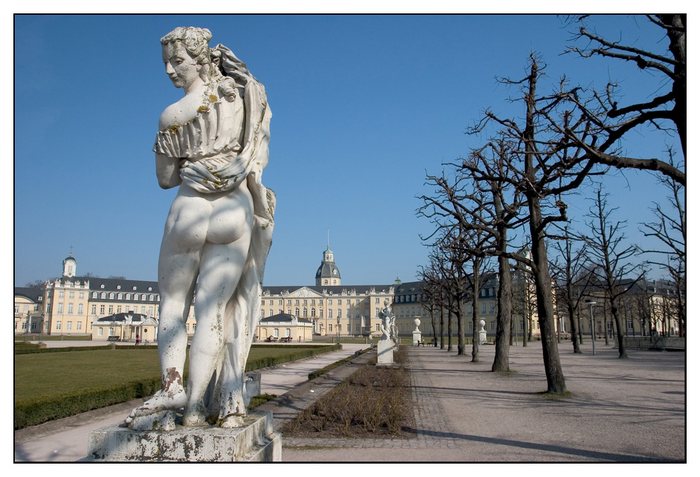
(30, 348)
(30, 412)
(33, 412)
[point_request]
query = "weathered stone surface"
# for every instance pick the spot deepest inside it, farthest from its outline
(256, 441)
(385, 352)
(159, 421)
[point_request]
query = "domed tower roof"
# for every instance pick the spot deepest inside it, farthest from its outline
(69, 266)
(328, 272)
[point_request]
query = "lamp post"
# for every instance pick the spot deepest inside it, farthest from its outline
(592, 304)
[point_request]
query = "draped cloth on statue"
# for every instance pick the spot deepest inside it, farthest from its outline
(225, 144)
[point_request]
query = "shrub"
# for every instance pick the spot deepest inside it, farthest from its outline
(372, 400)
(33, 412)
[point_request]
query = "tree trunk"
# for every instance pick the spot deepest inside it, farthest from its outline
(475, 314)
(605, 323)
(574, 327)
(460, 327)
(543, 284)
(503, 319)
(442, 327)
(449, 324)
(622, 352)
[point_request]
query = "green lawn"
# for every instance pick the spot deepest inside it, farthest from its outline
(46, 375)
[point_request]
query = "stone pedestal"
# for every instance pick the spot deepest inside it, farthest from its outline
(256, 441)
(385, 352)
(416, 338)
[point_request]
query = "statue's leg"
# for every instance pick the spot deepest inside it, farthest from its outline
(232, 407)
(220, 271)
(177, 273)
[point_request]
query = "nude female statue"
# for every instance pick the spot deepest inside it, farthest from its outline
(213, 144)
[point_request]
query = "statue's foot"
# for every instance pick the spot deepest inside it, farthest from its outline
(172, 399)
(195, 416)
(232, 420)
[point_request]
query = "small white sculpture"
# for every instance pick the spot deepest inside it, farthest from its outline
(213, 143)
(417, 338)
(388, 323)
(389, 341)
(482, 332)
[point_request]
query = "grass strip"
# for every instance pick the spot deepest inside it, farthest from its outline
(51, 386)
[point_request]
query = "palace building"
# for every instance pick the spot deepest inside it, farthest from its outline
(124, 309)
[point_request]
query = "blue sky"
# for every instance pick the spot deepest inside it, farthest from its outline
(362, 107)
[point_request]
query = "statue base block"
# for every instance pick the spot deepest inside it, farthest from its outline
(416, 338)
(256, 441)
(385, 352)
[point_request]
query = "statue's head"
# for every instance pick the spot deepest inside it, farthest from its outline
(186, 55)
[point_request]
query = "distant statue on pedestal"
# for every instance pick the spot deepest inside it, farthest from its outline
(417, 337)
(389, 341)
(482, 332)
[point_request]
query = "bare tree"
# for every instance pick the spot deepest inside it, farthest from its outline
(546, 166)
(570, 282)
(432, 291)
(670, 230)
(668, 104)
(610, 259)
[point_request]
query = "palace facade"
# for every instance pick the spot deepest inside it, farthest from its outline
(127, 309)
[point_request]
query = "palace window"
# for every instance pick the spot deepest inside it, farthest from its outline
(102, 309)
(111, 295)
(60, 308)
(69, 326)
(70, 309)
(79, 325)
(103, 295)
(58, 325)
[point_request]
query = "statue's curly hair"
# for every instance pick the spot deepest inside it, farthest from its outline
(195, 40)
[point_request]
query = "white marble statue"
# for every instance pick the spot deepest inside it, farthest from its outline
(388, 323)
(213, 144)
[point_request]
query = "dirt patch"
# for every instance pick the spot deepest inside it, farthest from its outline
(374, 402)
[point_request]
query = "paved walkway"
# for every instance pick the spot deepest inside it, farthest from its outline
(619, 411)
(66, 440)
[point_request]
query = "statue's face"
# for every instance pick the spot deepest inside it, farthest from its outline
(182, 69)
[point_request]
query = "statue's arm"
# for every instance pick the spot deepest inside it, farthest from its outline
(167, 171)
